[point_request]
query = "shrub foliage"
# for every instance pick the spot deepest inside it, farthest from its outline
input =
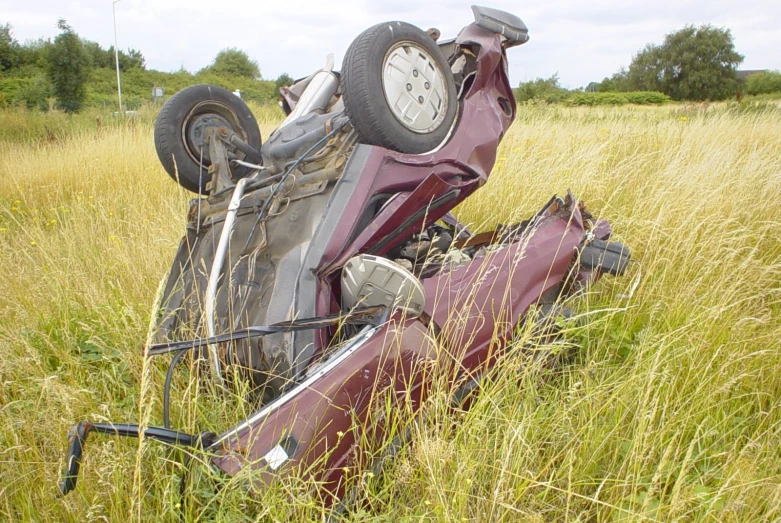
(768, 82)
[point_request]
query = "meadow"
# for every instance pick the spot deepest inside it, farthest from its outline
(669, 411)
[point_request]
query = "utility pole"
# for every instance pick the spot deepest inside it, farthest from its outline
(116, 55)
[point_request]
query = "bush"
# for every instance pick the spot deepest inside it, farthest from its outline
(12, 88)
(763, 83)
(37, 92)
(636, 97)
(646, 97)
(541, 89)
(137, 86)
(598, 99)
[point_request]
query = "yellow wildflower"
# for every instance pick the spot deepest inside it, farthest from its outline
(32, 243)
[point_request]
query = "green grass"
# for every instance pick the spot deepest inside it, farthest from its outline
(669, 412)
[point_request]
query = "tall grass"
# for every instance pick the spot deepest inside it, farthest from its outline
(669, 411)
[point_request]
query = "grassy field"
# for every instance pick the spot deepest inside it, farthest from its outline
(669, 412)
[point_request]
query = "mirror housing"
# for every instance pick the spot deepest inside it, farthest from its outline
(500, 22)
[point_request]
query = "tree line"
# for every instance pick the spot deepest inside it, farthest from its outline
(695, 63)
(64, 68)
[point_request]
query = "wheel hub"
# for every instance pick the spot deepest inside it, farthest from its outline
(414, 87)
(204, 116)
(196, 135)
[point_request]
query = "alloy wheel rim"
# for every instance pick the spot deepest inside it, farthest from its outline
(414, 87)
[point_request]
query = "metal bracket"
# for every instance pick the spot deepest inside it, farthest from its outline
(220, 168)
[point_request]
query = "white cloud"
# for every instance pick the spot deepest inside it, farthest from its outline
(582, 41)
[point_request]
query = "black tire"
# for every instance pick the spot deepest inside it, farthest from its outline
(364, 95)
(178, 149)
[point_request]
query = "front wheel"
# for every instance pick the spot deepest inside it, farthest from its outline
(398, 90)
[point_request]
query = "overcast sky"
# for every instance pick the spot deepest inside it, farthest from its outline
(582, 40)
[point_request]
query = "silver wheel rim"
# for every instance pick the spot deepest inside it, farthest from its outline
(414, 87)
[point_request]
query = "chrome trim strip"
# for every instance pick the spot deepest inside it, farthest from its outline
(214, 276)
(337, 358)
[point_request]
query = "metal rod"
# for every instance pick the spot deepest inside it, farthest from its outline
(247, 164)
(367, 316)
(116, 54)
(77, 438)
(214, 276)
(200, 189)
(250, 152)
(167, 388)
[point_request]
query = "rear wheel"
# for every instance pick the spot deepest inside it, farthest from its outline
(181, 138)
(397, 88)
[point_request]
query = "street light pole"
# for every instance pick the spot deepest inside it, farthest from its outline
(116, 54)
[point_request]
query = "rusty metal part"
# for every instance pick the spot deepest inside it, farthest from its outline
(326, 175)
(481, 238)
(416, 249)
(219, 168)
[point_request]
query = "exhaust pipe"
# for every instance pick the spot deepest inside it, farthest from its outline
(322, 87)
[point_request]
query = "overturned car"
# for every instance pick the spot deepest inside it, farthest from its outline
(323, 264)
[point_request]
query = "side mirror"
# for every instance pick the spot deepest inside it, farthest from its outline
(369, 281)
(505, 24)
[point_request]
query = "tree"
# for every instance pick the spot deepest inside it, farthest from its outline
(68, 69)
(104, 58)
(33, 53)
(693, 63)
(9, 48)
(133, 59)
(282, 80)
(234, 62)
(607, 85)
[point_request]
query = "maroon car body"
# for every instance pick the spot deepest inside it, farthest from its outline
(474, 315)
(328, 409)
